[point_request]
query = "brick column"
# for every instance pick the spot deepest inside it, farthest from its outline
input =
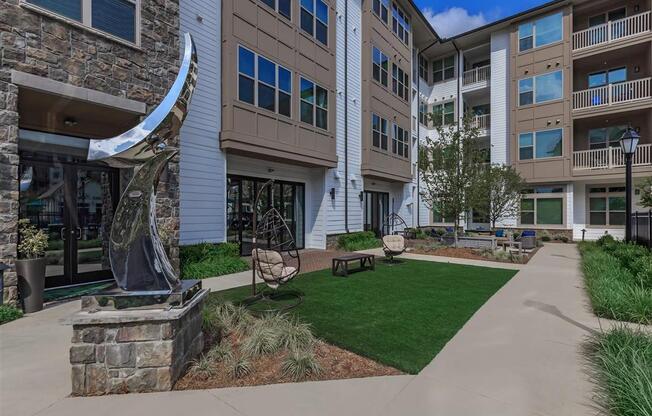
(8, 182)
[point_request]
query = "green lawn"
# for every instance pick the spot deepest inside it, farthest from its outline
(400, 315)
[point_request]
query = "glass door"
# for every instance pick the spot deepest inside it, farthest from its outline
(74, 205)
(376, 210)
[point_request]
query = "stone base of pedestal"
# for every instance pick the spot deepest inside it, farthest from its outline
(134, 350)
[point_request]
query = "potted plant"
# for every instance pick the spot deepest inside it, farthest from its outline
(30, 266)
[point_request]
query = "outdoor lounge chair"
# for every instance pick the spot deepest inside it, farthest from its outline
(393, 245)
(271, 268)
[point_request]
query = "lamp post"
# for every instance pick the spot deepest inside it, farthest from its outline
(628, 143)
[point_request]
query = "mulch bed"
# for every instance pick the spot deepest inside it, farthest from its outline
(335, 363)
(416, 247)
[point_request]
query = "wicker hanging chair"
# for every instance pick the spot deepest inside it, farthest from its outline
(275, 260)
(394, 238)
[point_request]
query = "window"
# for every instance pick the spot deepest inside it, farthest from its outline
(400, 142)
(400, 24)
(540, 206)
(381, 9)
(443, 114)
(115, 17)
(380, 66)
(437, 214)
(607, 206)
(541, 88)
(541, 144)
(423, 68)
(602, 78)
(541, 32)
(423, 113)
(379, 131)
(443, 69)
(400, 82)
(606, 137)
(314, 104)
(263, 83)
(314, 19)
(284, 7)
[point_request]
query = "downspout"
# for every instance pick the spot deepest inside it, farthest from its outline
(459, 104)
(346, 116)
(419, 128)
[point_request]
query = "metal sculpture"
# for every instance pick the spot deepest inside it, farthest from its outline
(138, 259)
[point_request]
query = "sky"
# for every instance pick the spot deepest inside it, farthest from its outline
(451, 17)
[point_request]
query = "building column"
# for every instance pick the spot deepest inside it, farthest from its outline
(8, 183)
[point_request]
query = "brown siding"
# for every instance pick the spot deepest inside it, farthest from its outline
(378, 99)
(261, 133)
(546, 116)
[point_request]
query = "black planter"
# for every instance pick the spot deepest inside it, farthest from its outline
(31, 282)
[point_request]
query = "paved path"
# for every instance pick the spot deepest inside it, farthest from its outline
(518, 355)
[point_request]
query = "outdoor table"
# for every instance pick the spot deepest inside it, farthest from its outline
(514, 244)
(341, 263)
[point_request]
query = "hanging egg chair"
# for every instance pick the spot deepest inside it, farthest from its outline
(394, 229)
(275, 261)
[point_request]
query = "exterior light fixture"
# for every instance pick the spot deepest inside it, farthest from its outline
(628, 143)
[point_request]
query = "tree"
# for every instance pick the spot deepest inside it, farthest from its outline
(646, 192)
(499, 192)
(450, 165)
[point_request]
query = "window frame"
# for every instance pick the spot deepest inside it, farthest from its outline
(606, 73)
(607, 142)
(534, 32)
(423, 113)
(256, 80)
(423, 68)
(383, 133)
(400, 142)
(381, 71)
(443, 69)
(400, 87)
(315, 20)
(607, 195)
(395, 27)
(86, 20)
(443, 113)
(536, 196)
(534, 88)
(534, 144)
(382, 5)
(278, 10)
(315, 106)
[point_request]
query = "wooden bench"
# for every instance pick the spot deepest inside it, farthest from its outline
(341, 263)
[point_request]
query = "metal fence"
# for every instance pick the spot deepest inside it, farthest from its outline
(642, 228)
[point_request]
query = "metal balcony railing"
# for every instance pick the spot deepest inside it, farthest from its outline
(612, 31)
(476, 75)
(611, 157)
(611, 94)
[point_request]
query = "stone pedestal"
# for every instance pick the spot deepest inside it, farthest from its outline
(134, 350)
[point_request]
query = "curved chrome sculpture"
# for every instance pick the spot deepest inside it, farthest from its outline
(138, 259)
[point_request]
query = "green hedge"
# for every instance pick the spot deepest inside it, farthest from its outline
(9, 313)
(362, 240)
(618, 279)
(203, 260)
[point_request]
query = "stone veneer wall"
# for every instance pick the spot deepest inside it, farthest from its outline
(44, 46)
(134, 351)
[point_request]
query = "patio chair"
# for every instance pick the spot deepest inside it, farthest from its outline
(272, 268)
(393, 245)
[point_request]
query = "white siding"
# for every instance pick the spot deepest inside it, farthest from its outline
(335, 178)
(500, 97)
(202, 164)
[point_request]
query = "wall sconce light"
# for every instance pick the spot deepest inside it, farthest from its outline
(332, 192)
(361, 196)
(637, 69)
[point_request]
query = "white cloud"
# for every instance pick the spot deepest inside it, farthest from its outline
(453, 21)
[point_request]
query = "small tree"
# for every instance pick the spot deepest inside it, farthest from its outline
(499, 192)
(450, 165)
(646, 192)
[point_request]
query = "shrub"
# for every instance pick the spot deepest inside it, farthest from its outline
(300, 364)
(221, 351)
(262, 340)
(213, 266)
(545, 236)
(358, 241)
(32, 241)
(9, 313)
(606, 241)
(238, 367)
(560, 237)
(614, 291)
(202, 368)
(295, 335)
(621, 362)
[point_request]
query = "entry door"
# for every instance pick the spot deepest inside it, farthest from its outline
(74, 204)
(376, 209)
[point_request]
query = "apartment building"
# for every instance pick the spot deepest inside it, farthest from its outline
(328, 98)
(552, 90)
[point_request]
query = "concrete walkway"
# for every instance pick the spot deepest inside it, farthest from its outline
(518, 355)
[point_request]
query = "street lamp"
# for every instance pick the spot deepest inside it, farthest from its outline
(628, 143)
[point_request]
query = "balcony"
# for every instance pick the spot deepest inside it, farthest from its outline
(482, 123)
(610, 158)
(611, 32)
(612, 95)
(477, 77)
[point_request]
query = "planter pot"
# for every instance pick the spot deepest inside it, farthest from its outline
(31, 282)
